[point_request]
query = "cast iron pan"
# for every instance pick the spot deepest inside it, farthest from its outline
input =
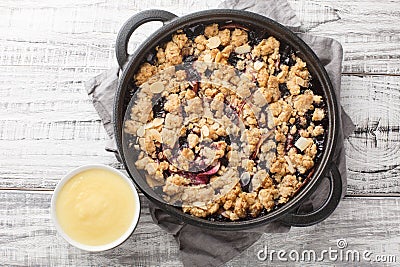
(129, 64)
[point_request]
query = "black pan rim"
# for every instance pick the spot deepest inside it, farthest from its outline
(281, 33)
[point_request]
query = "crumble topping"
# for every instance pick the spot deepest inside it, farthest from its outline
(226, 125)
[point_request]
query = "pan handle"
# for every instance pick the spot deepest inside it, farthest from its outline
(121, 46)
(323, 212)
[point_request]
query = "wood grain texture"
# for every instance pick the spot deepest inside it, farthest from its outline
(82, 33)
(32, 94)
(28, 238)
(44, 139)
(373, 151)
(364, 223)
(48, 49)
(368, 30)
(42, 163)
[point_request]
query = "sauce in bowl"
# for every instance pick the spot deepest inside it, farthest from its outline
(95, 208)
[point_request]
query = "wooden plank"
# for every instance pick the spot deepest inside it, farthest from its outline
(42, 163)
(373, 154)
(36, 137)
(83, 34)
(48, 126)
(27, 236)
(368, 31)
(43, 98)
(365, 224)
(32, 95)
(59, 130)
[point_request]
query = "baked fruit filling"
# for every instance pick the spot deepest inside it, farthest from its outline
(225, 123)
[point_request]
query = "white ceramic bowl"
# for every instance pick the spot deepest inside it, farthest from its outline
(113, 244)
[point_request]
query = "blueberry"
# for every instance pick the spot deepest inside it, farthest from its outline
(284, 90)
(208, 73)
(287, 56)
(189, 59)
(182, 141)
(233, 59)
(151, 58)
(158, 108)
(194, 31)
(254, 38)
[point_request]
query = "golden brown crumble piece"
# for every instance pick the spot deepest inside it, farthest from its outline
(253, 136)
(262, 77)
(188, 153)
(172, 53)
(195, 211)
(275, 108)
(173, 103)
(318, 130)
(253, 203)
(181, 75)
(266, 47)
(145, 72)
(193, 140)
(160, 55)
(211, 30)
(239, 37)
(283, 74)
(285, 114)
(302, 103)
(194, 106)
(311, 151)
(201, 42)
(225, 37)
(267, 197)
(169, 137)
(298, 76)
(318, 114)
(180, 40)
(287, 187)
(240, 207)
(272, 93)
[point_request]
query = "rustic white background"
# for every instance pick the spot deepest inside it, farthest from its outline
(49, 48)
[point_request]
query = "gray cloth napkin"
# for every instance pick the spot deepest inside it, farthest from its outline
(200, 247)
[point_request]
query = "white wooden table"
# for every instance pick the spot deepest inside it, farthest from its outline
(48, 49)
